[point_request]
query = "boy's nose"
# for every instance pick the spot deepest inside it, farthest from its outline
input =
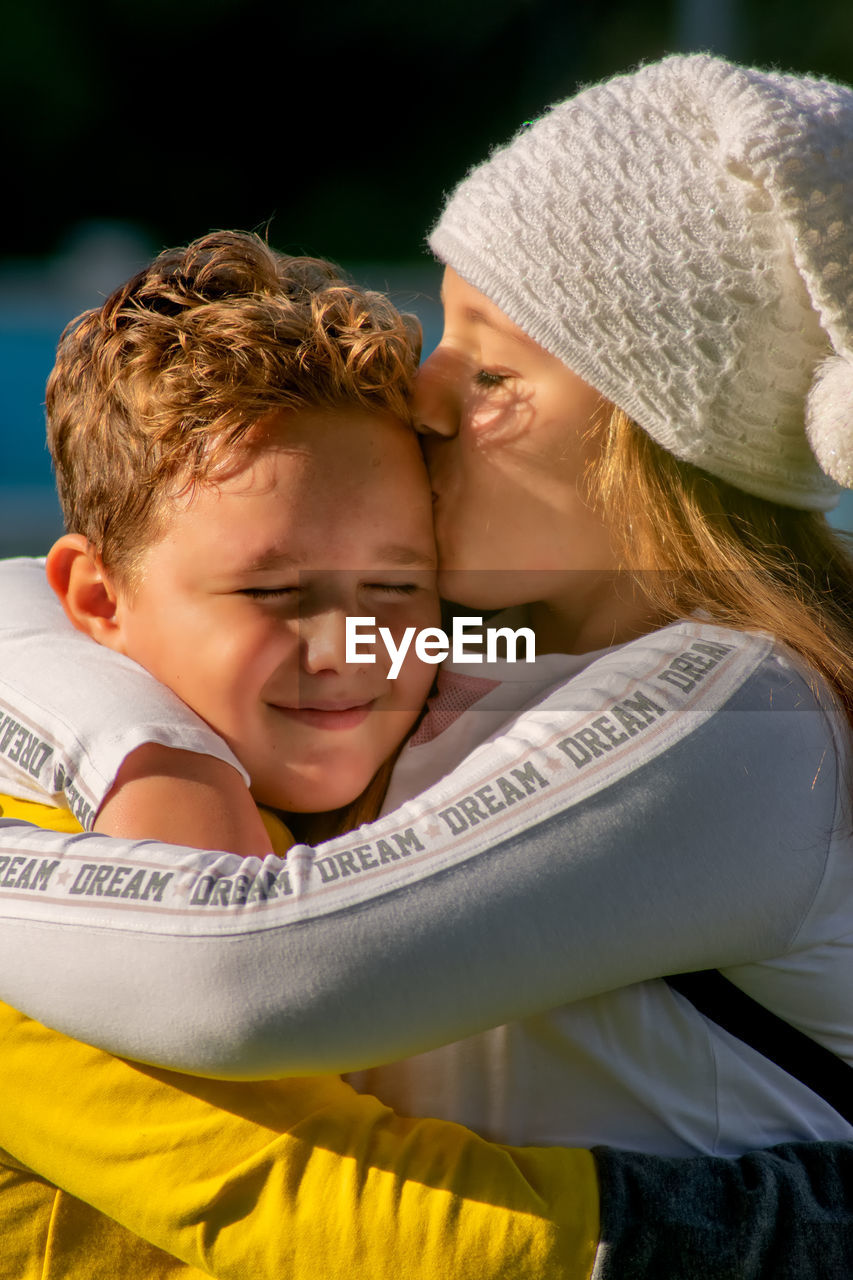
(436, 397)
(323, 637)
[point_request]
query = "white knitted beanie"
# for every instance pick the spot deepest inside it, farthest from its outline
(682, 238)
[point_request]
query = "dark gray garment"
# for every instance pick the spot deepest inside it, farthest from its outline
(781, 1214)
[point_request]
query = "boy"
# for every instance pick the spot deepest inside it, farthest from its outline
(237, 477)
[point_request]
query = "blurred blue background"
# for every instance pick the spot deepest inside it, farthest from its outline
(334, 128)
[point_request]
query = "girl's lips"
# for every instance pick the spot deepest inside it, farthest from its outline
(328, 717)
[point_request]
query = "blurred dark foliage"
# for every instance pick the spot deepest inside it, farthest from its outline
(337, 125)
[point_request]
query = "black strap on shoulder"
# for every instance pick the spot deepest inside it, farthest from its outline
(803, 1058)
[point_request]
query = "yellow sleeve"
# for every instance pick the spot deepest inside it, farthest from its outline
(55, 819)
(40, 815)
(292, 1179)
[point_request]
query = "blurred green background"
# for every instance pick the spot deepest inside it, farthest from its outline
(333, 127)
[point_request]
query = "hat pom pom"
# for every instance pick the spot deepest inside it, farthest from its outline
(829, 419)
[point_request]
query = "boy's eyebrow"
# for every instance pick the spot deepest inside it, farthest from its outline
(392, 554)
(270, 558)
(407, 557)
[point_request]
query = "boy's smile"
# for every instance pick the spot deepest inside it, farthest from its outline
(242, 603)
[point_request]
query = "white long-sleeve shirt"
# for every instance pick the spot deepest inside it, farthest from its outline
(677, 803)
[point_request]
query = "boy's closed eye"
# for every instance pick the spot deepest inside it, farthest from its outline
(268, 593)
(388, 588)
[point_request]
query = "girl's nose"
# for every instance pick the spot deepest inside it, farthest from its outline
(437, 392)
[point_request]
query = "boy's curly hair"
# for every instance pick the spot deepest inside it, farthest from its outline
(157, 388)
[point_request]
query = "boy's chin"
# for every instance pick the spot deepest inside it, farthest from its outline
(310, 801)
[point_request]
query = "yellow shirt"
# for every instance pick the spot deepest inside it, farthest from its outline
(164, 1175)
(45, 815)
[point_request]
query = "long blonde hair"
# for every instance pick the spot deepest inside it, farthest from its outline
(748, 563)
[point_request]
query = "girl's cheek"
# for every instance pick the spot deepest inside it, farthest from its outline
(502, 417)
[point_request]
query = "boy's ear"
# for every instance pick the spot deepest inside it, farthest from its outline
(77, 575)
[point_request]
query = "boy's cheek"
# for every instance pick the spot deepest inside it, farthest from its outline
(414, 682)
